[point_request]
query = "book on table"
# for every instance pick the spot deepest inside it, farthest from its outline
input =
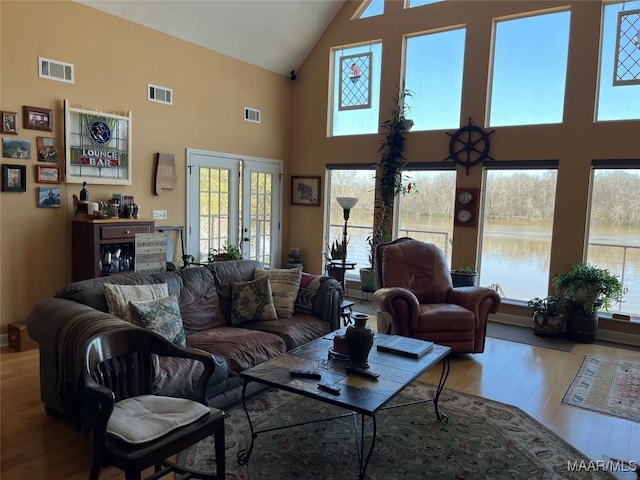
(407, 347)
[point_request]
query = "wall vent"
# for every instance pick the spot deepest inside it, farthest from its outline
(159, 94)
(56, 70)
(251, 115)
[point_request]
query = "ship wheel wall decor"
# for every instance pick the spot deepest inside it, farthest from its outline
(469, 146)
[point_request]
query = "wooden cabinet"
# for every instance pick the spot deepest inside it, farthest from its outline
(91, 239)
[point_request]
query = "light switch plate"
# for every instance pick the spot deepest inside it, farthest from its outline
(159, 214)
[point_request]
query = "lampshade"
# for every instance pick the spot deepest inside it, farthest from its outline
(347, 203)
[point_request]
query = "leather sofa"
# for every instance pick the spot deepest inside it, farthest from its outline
(63, 325)
(416, 298)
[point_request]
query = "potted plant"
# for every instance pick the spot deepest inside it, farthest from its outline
(226, 253)
(466, 276)
(390, 179)
(586, 288)
(333, 255)
(368, 275)
(547, 319)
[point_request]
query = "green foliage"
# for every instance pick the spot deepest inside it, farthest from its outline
(334, 250)
(392, 163)
(547, 306)
(227, 252)
(466, 270)
(591, 285)
(393, 160)
(372, 240)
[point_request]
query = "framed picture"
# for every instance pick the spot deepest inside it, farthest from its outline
(9, 123)
(97, 147)
(14, 178)
(37, 118)
(18, 148)
(48, 197)
(47, 174)
(305, 191)
(47, 149)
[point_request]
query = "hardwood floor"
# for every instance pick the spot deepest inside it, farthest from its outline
(34, 446)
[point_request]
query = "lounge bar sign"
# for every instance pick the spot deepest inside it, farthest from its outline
(98, 146)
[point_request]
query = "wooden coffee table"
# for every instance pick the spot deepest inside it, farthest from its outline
(359, 395)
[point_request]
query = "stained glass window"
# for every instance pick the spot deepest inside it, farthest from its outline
(355, 81)
(627, 63)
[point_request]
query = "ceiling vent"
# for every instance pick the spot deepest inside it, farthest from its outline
(251, 115)
(159, 94)
(55, 70)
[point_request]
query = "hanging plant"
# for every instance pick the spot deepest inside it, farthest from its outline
(391, 180)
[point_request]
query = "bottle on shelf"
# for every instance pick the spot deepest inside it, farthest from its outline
(84, 193)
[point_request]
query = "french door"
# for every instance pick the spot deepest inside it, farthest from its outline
(233, 200)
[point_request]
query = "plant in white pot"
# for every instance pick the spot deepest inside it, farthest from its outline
(547, 318)
(368, 275)
(586, 288)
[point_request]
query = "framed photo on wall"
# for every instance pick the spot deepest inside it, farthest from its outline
(47, 174)
(48, 197)
(37, 118)
(47, 149)
(14, 178)
(305, 191)
(9, 123)
(18, 148)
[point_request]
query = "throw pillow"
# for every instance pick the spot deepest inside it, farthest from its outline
(252, 301)
(119, 296)
(285, 283)
(161, 316)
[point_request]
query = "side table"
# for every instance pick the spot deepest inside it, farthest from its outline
(346, 309)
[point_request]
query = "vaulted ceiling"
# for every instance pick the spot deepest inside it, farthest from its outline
(276, 35)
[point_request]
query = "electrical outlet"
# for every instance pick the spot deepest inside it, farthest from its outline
(159, 214)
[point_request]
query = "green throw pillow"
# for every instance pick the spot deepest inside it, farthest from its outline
(252, 302)
(285, 283)
(161, 316)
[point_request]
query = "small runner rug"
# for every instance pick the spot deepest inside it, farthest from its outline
(606, 386)
(483, 440)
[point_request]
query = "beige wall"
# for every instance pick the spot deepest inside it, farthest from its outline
(114, 60)
(574, 143)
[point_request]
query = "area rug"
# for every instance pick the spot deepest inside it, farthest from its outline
(606, 386)
(483, 440)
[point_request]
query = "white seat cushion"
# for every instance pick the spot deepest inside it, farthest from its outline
(148, 417)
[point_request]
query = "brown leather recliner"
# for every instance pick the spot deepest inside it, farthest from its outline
(416, 298)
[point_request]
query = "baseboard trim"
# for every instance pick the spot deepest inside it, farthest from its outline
(601, 334)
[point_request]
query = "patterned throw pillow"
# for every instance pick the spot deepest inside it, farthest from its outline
(119, 296)
(252, 302)
(309, 285)
(161, 316)
(284, 283)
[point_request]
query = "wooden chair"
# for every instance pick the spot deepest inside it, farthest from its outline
(119, 374)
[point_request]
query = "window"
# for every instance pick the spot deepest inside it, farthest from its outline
(433, 74)
(372, 9)
(529, 70)
(516, 231)
(419, 3)
(427, 213)
(356, 89)
(619, 102)
(614, 229)
(359, 183)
